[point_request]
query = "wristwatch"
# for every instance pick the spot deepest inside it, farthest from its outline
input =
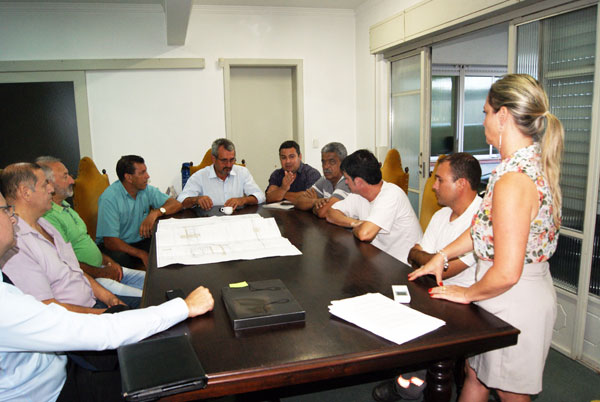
(162, 210)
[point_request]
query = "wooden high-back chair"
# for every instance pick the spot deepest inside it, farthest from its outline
(89, 186)
(392, 171)
(429, 203)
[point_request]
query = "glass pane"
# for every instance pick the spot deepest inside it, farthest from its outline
(571, 101)
(564, 264)
(443, 114)
(406, 133)
(414, 200)
(406, 112)
(595, 276)
(528, 48)
(406, 74)
(476, 90)
(569, 41)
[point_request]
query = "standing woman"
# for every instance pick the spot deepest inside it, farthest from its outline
(513, 235)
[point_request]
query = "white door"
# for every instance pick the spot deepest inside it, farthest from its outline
(410, 97)
(262, 116)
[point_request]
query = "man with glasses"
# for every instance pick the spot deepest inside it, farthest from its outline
(34, 336)
(222, 183)
(44, 265)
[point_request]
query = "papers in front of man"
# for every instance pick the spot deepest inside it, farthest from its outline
(279, 205)
(384, 317)
(216, 239)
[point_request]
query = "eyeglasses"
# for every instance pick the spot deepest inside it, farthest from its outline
(8, 210)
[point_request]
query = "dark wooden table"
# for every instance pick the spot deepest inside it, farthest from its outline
(333, 265)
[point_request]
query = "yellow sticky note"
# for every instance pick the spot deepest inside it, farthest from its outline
(238, 285)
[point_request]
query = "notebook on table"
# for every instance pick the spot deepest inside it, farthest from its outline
(159, 367)
(261, 303)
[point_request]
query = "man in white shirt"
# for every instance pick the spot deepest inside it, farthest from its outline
(33, 336)
(377, 211)
(456, 181)
(222, 183)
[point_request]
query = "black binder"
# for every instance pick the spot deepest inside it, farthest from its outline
(261, 303)
(159, 367)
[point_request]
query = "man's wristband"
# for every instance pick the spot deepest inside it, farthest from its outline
(445, 257)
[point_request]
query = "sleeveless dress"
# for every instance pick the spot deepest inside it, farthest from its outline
(530, 305)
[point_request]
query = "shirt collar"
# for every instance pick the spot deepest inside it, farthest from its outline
(60, 208)
(213, 175)
(301, 168)
(124, 192)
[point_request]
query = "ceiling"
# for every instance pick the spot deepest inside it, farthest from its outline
(177, 12)
(337, 4)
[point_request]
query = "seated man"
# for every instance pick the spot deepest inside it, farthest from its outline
(294, 176)
(455, 187)
(456, 181)
(43, 265)
(330, 188)
(222, 183)
(34, 337)
(119, 280)
(127, 211)
(377, 211)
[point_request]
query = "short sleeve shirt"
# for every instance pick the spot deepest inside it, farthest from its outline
(47, 270)
(440, 232)
(306, 176)
(73, 230)
(120, 215)
(325, 189)
(392, 212)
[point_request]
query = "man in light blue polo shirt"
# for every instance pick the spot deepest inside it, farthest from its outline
(222, 183)
(127, 211)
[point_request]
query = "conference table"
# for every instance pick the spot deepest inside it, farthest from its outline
(333, 265)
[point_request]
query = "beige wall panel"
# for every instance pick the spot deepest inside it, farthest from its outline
(432, 15)
(387, 33)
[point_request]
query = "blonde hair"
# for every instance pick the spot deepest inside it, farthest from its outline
(527, 102)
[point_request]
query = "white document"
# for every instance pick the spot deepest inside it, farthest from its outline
(279, 205)
(216, 239)
(384, 317)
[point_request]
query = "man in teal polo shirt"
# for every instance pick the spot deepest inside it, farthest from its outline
(119, 280)
(127, 211)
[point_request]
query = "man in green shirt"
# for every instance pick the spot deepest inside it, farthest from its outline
(119, 280)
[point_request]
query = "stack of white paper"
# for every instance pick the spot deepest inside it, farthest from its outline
(215, 239)
(384, 317)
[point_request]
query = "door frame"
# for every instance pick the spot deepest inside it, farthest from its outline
(297, 68)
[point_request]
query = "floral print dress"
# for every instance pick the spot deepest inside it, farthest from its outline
(530, 304)
(543, 233)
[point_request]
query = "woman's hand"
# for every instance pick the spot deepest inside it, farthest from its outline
(457, 294)
(435, 266)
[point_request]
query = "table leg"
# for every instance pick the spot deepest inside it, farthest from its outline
(439, 382)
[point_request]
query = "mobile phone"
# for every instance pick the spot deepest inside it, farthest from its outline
(401, 294)
(173, 293)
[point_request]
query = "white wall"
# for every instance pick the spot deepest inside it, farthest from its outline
(368, 126)
(172, 116)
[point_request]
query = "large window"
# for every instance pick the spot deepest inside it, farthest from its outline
(458, 94)
(560, 52)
